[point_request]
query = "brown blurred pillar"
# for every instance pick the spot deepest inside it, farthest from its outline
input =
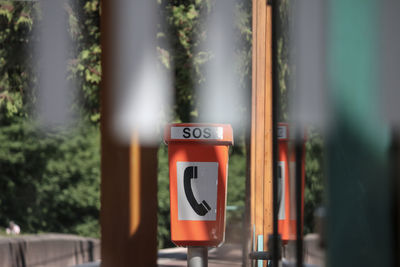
(261, 129)
(128, 180)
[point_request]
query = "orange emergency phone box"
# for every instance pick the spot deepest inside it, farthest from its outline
(287, 185)
(198, 171)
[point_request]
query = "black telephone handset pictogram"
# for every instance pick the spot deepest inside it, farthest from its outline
(200, 208)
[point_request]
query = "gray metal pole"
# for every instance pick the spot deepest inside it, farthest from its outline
(197, 257)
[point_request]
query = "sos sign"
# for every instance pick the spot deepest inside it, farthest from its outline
(195, 133)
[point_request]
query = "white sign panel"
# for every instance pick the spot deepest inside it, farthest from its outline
(282, 132)
(190, 133)
(281, 190)
(197, 190)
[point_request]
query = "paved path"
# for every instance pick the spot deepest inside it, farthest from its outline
(227, 255)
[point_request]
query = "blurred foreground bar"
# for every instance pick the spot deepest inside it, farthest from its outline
(359, 229)
(128, 175)
(51, 54)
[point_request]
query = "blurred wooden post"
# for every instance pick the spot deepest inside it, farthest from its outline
(128, 179)
(261, 129)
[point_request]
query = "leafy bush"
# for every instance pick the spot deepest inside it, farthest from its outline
(50, 181)
(314, 188)
(163, 216)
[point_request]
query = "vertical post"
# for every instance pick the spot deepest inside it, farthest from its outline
(395, 188)
(274, 12)
(299, 199)
(261, 136)
(128, 178)
(197, 257)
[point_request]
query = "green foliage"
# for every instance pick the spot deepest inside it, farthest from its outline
(50, 182)
(16, 22)
(163, 231)
(285, 67)
(314, 191)
(184, 23)
(181, 19)
(17, 78)
(85, 68)
(236, 180)
(236, 196)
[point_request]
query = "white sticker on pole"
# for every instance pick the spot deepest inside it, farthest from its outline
(197, 190)
(201, 133)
